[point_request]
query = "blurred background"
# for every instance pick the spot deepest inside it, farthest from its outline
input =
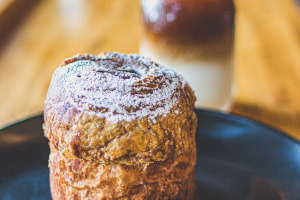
(37, 35)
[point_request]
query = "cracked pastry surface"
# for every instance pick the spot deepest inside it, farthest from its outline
(89, 179)
(121, 113)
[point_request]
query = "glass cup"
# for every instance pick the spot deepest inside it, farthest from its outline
(195, 38)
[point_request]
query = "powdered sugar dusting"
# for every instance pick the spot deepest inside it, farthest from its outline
(117, 87)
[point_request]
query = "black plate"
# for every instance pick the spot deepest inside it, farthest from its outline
(237, 159)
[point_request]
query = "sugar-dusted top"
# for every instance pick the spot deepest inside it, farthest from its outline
(114, 86)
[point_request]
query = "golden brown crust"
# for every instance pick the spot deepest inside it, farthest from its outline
(92, 138)
(142, 140)
(114, 181)
(176, 190)
(97, 153)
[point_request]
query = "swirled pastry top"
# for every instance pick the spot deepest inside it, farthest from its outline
(119, 108)
(117, 87)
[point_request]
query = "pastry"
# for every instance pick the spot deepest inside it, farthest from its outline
(120, 127)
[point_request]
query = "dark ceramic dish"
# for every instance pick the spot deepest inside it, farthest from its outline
(238, 159)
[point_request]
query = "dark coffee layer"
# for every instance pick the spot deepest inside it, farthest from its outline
(188, 21)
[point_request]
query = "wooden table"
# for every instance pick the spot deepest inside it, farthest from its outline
(35, 39)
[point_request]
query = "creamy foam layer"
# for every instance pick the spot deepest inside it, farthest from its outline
(117, 87)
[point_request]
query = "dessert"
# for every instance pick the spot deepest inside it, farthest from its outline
(120, 127)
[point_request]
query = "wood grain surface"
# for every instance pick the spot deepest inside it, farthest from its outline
(267, 53)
